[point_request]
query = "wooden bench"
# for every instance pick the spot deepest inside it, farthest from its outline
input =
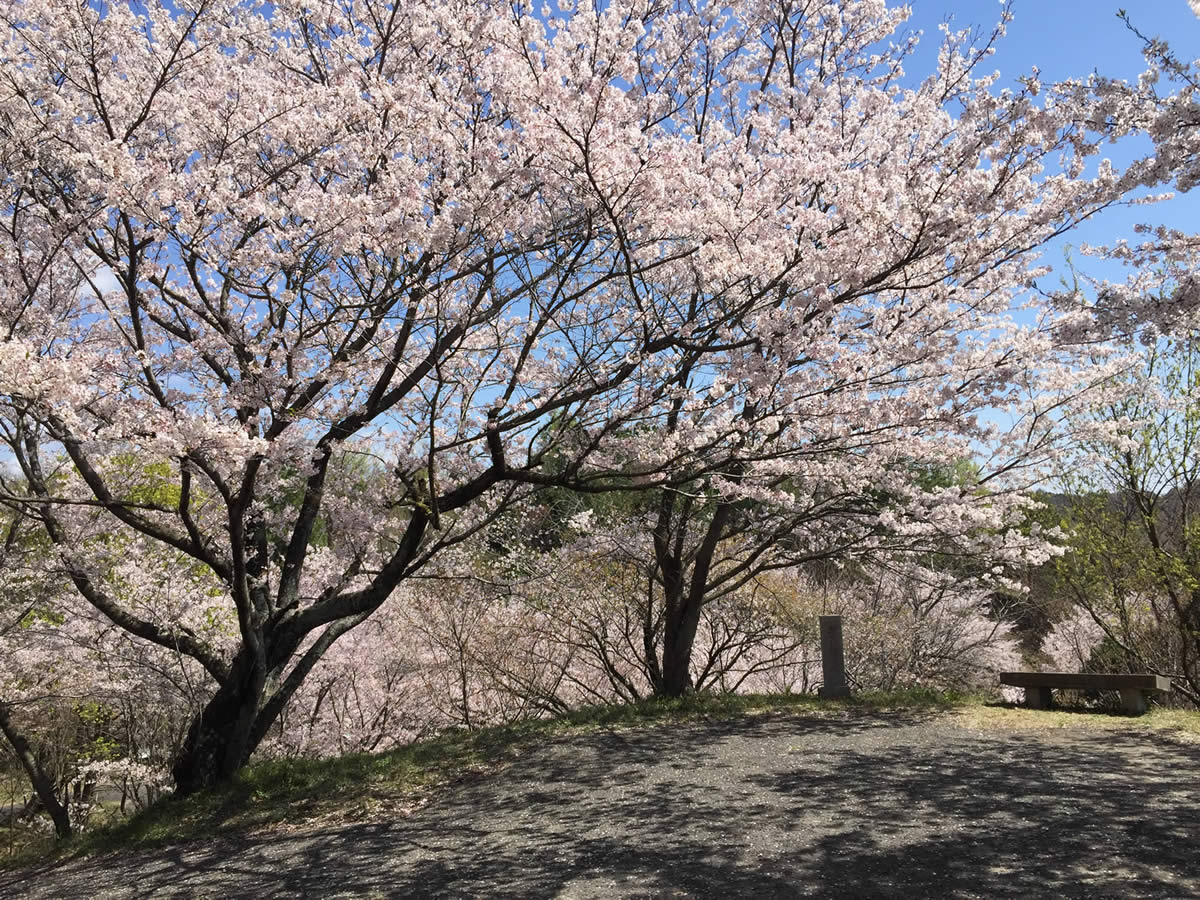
(1133, 688)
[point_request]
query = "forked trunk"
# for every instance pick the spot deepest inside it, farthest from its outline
(220, 739)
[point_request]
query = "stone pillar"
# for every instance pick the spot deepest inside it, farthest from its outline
(1133, 700)
(833, 660)
(1038, 697)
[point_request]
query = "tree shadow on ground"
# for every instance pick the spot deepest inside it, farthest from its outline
(863, 806)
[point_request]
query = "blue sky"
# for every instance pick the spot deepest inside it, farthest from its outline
(1071, 39)
(1066, 38)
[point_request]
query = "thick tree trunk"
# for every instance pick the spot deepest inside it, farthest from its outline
(42, 783)
(670, 677)
(684, 595)
(220, 739)
(235, 721)
(679, 636)
(229, 729)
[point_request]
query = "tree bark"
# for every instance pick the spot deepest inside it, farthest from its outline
(42, 783)
(221, 738)
(683, 606)
(667, 678)
(679, 635)
(234, 722)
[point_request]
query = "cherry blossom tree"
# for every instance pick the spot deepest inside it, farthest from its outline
(23, 674)
(1161, 294)
(1071, 641)
(596, 600)
(909, 626)
(1130, 567)
(710, 545)
(83, 703)
(476, 249)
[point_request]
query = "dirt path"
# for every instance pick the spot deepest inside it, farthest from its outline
(876, 806)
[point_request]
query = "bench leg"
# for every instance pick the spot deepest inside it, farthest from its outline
(1037, 697)
(1133, 700)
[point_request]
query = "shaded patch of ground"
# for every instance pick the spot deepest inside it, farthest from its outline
(859, 805)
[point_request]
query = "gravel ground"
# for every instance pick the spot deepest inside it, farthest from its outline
(862, 806)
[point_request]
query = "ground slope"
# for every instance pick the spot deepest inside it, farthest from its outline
(856, 805)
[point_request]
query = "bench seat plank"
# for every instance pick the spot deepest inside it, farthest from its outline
(1088, 681)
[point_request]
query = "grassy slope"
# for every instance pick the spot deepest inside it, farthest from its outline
(288, 793)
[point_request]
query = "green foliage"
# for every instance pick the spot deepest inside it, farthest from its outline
(154, 484)
(963, 473)
(41, 614)
(1132, 513)
(96, 742)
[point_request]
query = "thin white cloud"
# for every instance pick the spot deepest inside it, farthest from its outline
(106, 281)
